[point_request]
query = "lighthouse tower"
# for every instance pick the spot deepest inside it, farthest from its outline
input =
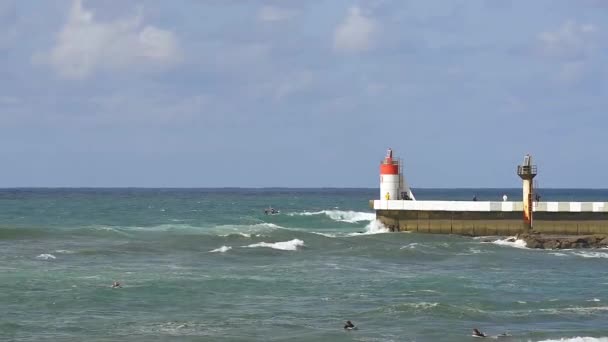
(527, 172)
(392, 183)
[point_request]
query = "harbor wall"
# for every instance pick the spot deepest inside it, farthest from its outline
(493, 218)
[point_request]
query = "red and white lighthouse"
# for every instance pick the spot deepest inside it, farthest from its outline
(392, 182)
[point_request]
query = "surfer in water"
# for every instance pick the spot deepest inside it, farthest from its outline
(478, 333)
(349, 326)
(116, 284)
(271, 211)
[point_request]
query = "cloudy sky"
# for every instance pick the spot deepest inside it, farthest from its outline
(214, 93)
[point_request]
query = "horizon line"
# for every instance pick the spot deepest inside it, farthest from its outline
(280, 187)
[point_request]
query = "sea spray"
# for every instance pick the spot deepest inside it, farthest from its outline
(375, 227)
(511, 242)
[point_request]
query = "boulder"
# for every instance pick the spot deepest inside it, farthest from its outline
(536, 240)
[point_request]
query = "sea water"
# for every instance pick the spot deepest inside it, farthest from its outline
(209, 265)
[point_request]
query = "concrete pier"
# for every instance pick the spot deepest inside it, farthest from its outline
(492, 218)
(398, 210)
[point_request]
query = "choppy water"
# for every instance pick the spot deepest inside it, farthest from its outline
(208, 265)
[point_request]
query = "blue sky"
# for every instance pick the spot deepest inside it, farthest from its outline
(192, 93)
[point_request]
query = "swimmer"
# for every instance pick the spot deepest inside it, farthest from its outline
(478, 333)
(349, 326)
(116, 284)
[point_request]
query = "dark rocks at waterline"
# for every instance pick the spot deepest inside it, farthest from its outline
(564, 241)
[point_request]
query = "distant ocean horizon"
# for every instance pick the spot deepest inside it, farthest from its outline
(208, 264)
(279, 188)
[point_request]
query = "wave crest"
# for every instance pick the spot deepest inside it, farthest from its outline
(290, 245)
(222, 249)
(586, 254)
(46, 256)
(511, 242)
(341, 215)
(374, 227)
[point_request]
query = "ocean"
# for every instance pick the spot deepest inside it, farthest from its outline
(209, 265)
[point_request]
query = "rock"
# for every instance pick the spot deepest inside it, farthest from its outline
(564, 241)
(551, 244)
(533, 243)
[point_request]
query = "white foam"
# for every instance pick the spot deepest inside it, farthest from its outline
(594, 300)
(421, 305)
(326, 234)
(576, 310)
(46, 257)
(243, 230)
(579, 339)
(290, 245)
(247, 235)
(410, 246)
(222, 249)
(585, 254)
(258, 226)
(221, 230)
(376, 227)
(64, 251)
(267, 225)
(341, 215)
(110, 229)
(518, 243)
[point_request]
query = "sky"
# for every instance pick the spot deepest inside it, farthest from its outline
(228, 93)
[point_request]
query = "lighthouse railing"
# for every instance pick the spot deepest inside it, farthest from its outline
(527, 170)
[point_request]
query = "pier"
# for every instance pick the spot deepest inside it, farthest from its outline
(481, 218)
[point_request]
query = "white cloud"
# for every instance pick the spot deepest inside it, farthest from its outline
(573, 46)
(85, 45)
(271, 13)
(570, 41)
(355, 33)
(572, 72)
(292, 84)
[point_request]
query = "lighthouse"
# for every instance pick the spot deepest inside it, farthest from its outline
(527, 172)
(392, 182)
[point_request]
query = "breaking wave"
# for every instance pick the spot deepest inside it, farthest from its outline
(586, 254)
(222, 249)
(374, 227)
(290, 245)
(511, 242)
(46, 257)
(341, 215)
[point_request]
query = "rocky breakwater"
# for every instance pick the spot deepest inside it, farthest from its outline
(564, 241)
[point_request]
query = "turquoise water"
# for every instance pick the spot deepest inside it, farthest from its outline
(208, 265)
